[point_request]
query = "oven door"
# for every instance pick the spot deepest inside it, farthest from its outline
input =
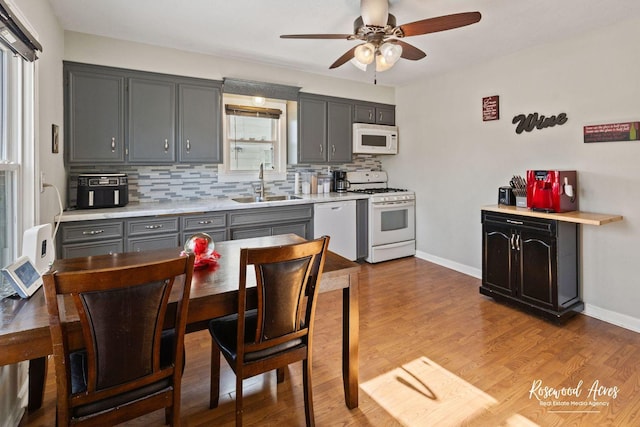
(391, 222)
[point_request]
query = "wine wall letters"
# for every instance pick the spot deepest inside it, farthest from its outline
(535, 121)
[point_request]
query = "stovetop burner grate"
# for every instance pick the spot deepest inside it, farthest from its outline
(377, 190)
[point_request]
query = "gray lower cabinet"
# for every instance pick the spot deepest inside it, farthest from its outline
(84, 238)
(260, 222)
(94, 107)
(362, 228)
(214, 224)
(89, 238)
(152, 233)
(152, 121)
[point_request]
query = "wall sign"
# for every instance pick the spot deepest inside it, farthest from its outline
(535, 121)
(490, 108)
(612, 132)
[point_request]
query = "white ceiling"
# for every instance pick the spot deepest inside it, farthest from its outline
(250, 29)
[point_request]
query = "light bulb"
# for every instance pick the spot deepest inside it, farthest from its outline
(382, 64)
(365, 53)
(391, 52)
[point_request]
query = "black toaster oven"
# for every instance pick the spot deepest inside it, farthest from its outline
(102, 190)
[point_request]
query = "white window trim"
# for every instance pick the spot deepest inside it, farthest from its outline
(280, 174)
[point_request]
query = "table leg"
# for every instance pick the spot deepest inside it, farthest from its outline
(350, 339)
(37, 377)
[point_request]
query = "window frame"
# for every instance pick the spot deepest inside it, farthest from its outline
(279, 172)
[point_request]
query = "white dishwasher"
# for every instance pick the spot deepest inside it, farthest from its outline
(338, 221)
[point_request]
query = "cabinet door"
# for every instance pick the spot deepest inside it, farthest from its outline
(152, 118)
(312, 131)
(94, 114)
(365, 113)
(340, 132)
(101, 247)
(537, 269)
(199, 130)
(498, 273)
(385, 116)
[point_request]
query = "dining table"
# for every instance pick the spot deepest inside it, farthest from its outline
(24, 323)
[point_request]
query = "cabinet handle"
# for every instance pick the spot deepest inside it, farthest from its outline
(207, 221)
(92, 232)
(333, 149)
(380, 116)
(188, 146)
(512, 241)
(321, 149)
(113, 145)
(370, 114)
(153, 227)
(166, 145)
(510, 221)
(518, 243)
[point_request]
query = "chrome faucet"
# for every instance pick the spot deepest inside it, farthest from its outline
(260, 189)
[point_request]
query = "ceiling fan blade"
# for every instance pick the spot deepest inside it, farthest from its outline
(344, 58)
(409, 51)
(317, 36)
(441, 23)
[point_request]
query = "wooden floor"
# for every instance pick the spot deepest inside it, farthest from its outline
(433, 352)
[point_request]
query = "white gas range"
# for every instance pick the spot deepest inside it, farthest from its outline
(391, 214)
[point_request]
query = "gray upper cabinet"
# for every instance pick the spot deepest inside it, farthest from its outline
(312, 140)
(324, 130)
(118, 116)
(199, 130)
(152, 121)
(380, 114)
(94, 115)
(339, 146)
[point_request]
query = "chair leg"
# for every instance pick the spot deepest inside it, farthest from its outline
(215, 376)
(238, 400)
(308, 394)
(280, 375)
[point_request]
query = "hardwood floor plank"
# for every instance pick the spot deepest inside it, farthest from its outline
(484, 359)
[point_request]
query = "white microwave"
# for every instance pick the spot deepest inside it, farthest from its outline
(375, 139)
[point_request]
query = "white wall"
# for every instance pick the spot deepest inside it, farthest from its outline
(91, 49)
(456, 162)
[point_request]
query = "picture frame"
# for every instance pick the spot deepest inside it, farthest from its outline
(23, 276)
(55, 138)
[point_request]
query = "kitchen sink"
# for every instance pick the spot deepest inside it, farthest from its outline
(256, 199)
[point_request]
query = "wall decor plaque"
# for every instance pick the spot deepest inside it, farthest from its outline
(535, 121)
(629, 131)
(490, 108)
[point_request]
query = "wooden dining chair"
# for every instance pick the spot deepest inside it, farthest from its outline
(279, 331)
(130, 359)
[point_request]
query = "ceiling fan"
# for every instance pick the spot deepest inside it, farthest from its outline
(377, 29)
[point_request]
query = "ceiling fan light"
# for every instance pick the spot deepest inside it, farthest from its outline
(382, 64)
(374, 12)
(391, 52)
(359, 64)
(365, 53)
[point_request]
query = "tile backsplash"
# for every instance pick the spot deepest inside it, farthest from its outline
(200, 181)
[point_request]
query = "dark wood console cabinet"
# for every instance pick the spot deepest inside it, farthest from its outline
(531, 262)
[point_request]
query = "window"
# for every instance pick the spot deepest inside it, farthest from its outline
(17, 152)
(254, 133)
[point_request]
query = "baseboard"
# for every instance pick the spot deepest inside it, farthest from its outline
(462, 268)
(622, 320)
(618, 319)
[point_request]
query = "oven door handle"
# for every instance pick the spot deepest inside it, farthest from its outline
(394, 204)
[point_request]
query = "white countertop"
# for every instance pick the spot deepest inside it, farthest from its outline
(196, 206)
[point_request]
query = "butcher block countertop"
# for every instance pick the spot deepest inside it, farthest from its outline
(579, 217)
